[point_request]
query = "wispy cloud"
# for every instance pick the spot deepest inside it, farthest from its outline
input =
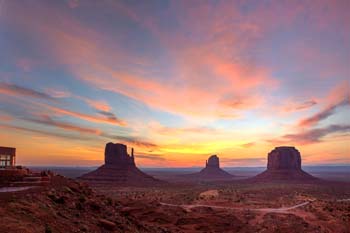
(47, 120)
(102, 108)
(129, 139)
(339, 96)
(16, 90)
(45, 133)
(203, 73)
(150, 157)
(5, 117)
(248, 145)
(243, 161)
(110, 120)
(57, 93)
(310, 136)
(298, 106)
(324, 114)
(96, 104)
(172, 131)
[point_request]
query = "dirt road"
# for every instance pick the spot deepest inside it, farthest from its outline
(267, 210)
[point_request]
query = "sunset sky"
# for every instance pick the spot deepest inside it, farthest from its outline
(176, 80)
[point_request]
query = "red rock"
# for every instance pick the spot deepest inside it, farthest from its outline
(119, 168)
(284, 158)
(212, 171)
(106, 224)
(284, 164)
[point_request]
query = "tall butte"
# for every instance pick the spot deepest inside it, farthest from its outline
(212, 171)
(119, 168)
(284, 164)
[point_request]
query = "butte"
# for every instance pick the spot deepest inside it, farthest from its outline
(119, 169)
(284, 164)
(212, 171)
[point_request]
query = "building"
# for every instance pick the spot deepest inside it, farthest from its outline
(7, 157)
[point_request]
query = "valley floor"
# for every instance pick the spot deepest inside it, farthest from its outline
(69, 206)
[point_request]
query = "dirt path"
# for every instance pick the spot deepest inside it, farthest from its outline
(14, 189)
(266, 210)
(282, 209)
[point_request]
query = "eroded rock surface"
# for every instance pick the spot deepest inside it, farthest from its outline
(117, 155)
(213, 161)
(119, 168)
(212, 171)
(284, 164)
(284, 157)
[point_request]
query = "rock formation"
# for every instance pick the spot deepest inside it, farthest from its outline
(117, 155)
(119, 168)
(284, 163)
(212, 171)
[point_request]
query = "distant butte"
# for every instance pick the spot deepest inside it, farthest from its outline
(212, 171)
(119, 168)
(284, 164)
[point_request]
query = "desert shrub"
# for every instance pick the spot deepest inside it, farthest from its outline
(48, 229)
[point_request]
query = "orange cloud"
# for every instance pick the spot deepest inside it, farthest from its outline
(97, 104)
(87, 117)
(68, 126)
(5, 117)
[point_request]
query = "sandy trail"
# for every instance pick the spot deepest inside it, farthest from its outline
(267, 210)
(14, 189)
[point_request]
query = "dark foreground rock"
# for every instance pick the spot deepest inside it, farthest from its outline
(65, 206)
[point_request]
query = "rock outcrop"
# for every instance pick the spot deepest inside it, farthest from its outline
(116, 155)
(284, 157)
(213, 162)
(284, 164)
(119, 168)
(212, 171)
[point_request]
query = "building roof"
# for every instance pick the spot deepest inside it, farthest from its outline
(7, 150)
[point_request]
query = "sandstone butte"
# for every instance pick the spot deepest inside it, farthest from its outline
(119, 168)
(284, 164)
(212, 171)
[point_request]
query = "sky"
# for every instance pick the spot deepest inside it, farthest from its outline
(176, 80)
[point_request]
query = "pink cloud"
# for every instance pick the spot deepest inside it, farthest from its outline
(338, 97)
(310, 136)
(25, 64)
(57, 93)
(294, 106)
(87, 117)
(5, 117)
(98, 104)
(73, 3)
(89, 60)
